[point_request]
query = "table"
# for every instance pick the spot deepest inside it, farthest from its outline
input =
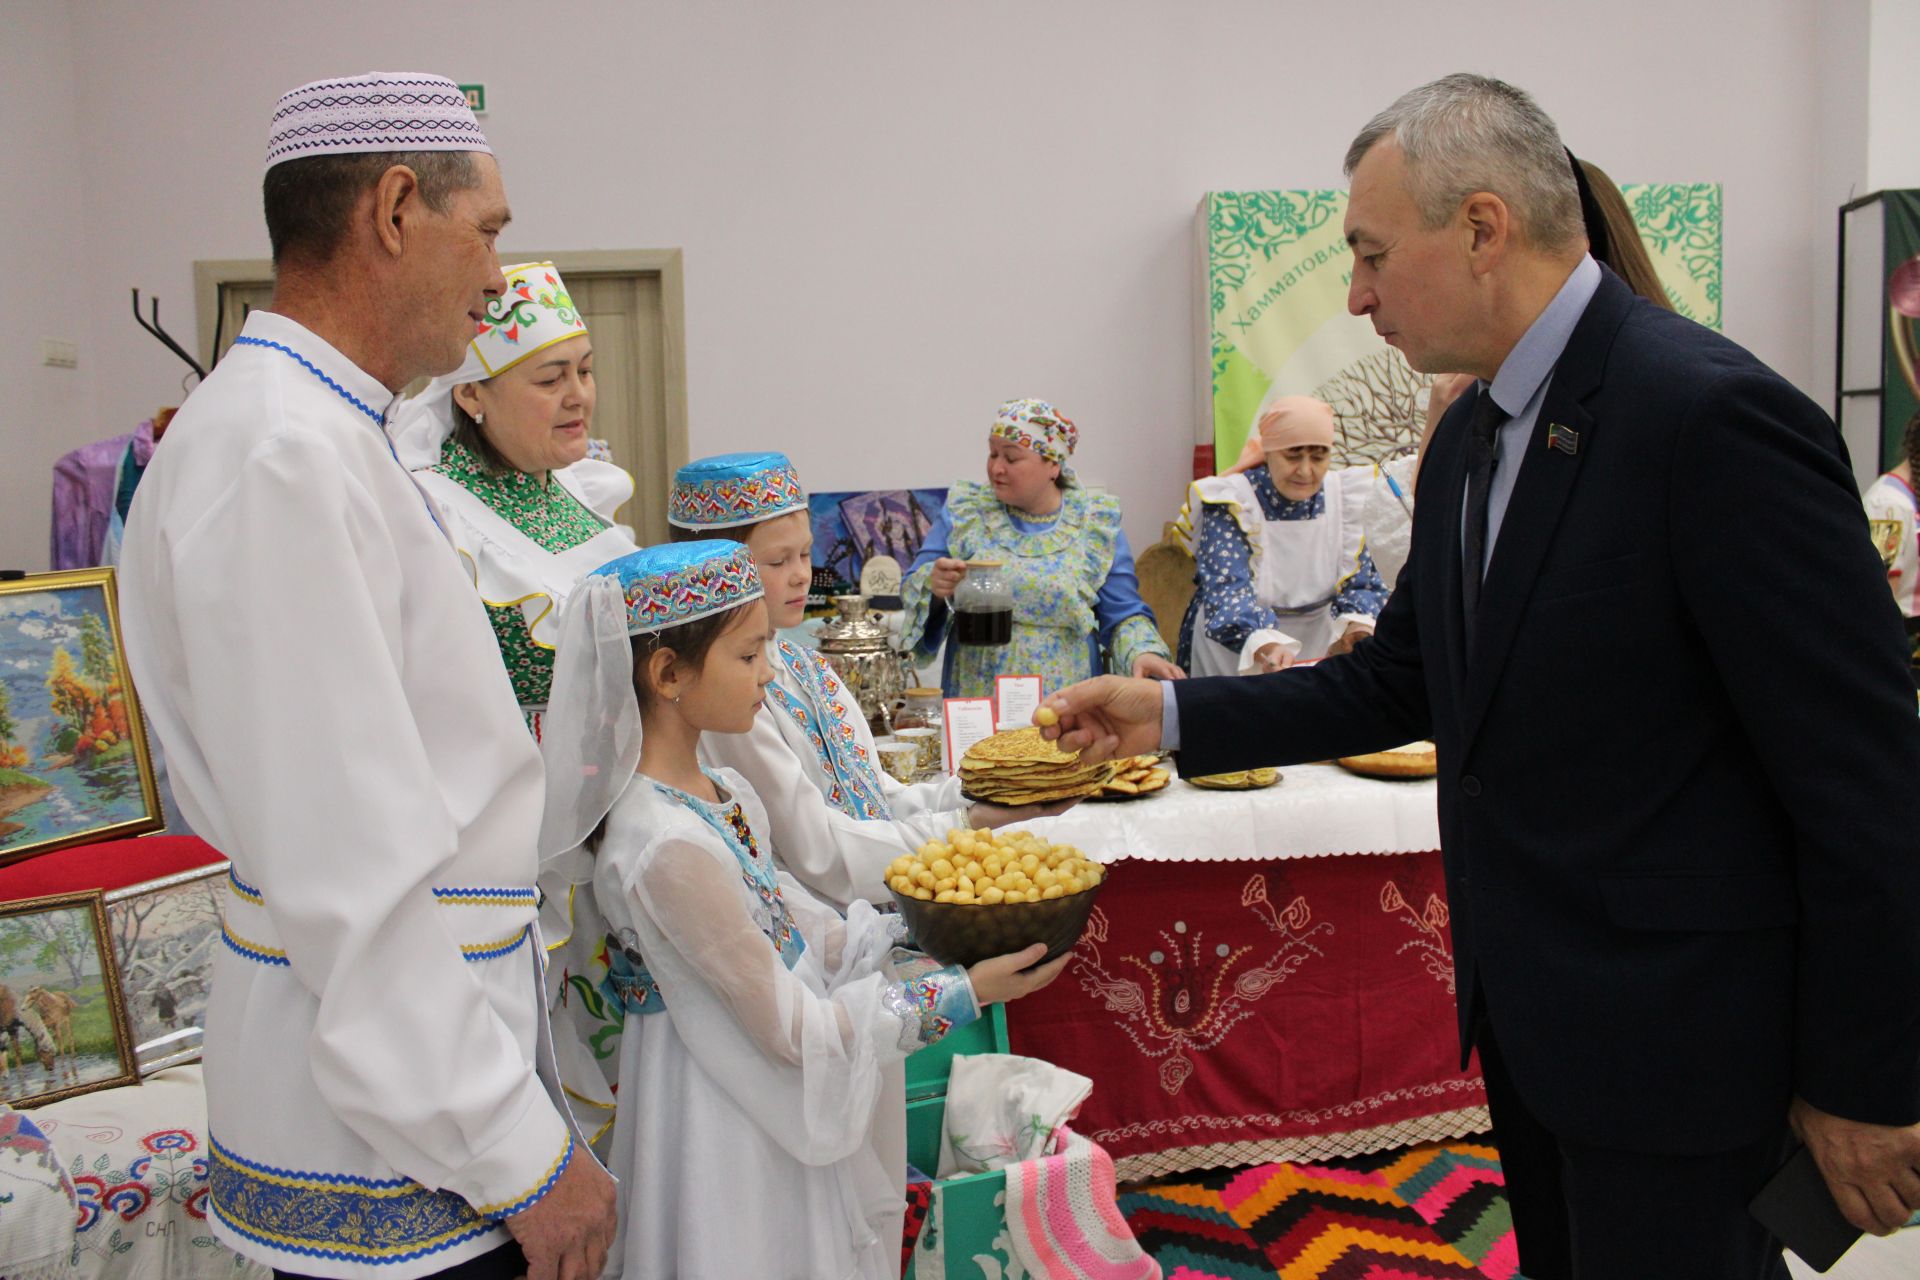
(1267, 976)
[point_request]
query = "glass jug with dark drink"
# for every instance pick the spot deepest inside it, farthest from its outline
(983, 605)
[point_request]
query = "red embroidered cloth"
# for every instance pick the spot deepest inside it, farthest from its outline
(1236, 1012)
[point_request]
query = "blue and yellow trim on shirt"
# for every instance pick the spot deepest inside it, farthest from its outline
(340, 1216)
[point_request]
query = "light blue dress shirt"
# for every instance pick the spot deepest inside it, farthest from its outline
(1520, 388)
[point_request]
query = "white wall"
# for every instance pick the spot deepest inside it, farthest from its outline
(1893, 129)
(896, 216)
(1842, 43)
(43, 411)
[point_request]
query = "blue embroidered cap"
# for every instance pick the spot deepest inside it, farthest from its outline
(732, 489)
(680, 582)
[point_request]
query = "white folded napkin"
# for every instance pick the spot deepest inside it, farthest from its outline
(1003, 1108)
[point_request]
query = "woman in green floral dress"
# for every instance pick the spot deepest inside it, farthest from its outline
(500, 449)
(1075, 596)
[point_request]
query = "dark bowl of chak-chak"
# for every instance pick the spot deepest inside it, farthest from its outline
(1025, 891)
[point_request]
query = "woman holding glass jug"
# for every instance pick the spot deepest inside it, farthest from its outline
(1029, 573)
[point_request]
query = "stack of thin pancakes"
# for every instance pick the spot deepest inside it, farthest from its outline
(1021, 767)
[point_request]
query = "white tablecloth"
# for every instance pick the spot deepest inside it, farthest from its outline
(1315, 810)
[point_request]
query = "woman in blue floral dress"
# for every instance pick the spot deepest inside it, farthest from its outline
(1075, 596)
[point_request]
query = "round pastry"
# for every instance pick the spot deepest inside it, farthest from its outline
(1415, 760)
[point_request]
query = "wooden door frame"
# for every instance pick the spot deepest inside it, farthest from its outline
(210, 274)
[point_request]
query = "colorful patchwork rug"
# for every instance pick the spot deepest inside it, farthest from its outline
(1411, 1214)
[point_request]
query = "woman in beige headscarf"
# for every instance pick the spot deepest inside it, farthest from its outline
(1282, 568)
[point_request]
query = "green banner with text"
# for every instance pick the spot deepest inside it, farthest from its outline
(1274, 288)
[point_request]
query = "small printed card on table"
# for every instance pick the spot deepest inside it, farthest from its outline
(968, 721)
(1019, 698)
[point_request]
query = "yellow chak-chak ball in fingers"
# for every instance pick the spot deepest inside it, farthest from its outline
(989, 867)
(1046, 717)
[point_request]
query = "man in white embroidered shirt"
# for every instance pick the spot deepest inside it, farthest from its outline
(329, 694)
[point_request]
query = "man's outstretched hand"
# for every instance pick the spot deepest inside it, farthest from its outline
(1104, 718)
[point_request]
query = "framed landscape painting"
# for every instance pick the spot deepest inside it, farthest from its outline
(74, 766)
(63, 1026)
(164, 933)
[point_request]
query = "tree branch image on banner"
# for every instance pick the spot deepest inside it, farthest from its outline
(1275, 272)
(1900, 397)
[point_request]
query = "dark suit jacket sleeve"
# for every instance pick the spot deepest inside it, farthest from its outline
(1772, 555)
(1368, 700)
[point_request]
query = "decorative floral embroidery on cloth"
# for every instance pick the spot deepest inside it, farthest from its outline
(324, 1215)
(167, 1179)
(852, 785)
(1430, 928)
(535, 312)
(930, 1005)
(669, 598)
(628, 985)
(728, 501)
(636, 988)
(537, 505)
(543, 509)
(38, 1201)
(1189, 996)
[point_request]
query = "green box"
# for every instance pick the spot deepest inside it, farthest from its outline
(927, 1070)
(970, 1219)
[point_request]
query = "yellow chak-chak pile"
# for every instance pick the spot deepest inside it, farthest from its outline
(1021, 767)
(985, 868)
(1137, 776)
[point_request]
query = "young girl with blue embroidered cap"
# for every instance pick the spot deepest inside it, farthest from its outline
(836, 819)
(761, 1025)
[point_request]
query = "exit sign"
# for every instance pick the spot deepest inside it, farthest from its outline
(476, 97)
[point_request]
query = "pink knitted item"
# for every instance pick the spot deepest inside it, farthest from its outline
(1063, 1222)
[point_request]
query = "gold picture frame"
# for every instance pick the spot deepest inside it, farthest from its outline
(75, 767)
(63, 1025)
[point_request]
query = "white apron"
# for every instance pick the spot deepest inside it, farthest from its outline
(1297, 568)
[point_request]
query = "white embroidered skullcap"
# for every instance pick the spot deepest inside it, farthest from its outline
(383, 111)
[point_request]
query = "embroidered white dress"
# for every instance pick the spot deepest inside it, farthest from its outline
(761, 1129)
(338, 724)
(525, 542)
(835, 818)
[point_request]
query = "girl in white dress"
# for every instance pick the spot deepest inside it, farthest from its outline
(835, 818)
(759, 1022)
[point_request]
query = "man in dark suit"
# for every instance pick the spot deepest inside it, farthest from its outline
(1679, 763)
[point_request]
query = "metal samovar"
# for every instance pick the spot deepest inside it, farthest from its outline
(857, 645)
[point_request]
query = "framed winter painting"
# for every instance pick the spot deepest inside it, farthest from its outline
(164, 933)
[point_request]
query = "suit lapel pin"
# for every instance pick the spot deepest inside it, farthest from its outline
(1563, 438)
